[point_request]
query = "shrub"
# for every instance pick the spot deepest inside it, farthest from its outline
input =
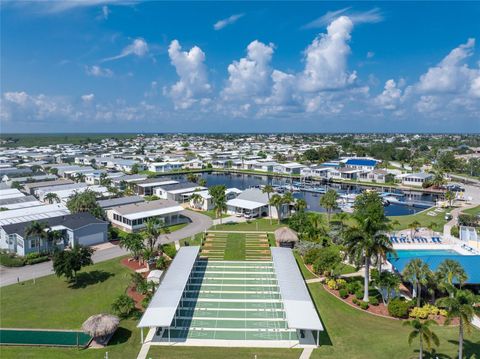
(123, 306)
(455, 231)
(327, 260)
(419, 312)
(442, 312)
(36, 260)
(332, 284)
(343, 293)
(11, 260)
(359, 294)
(161, 263)
(373, 300)
(354, 286)
(341, 283)
(355, 301)
(169, 250)
(312, 255)
(364, 305)
(398, 308)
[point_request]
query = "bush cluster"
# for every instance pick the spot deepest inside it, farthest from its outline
(373, 300)
(336, 283)
(359, 294)
(343, 293)
(425, 311)
(169, 250)
(398, 308)
(360, 303)
(11, 260)
(34, 258)
(354, 286)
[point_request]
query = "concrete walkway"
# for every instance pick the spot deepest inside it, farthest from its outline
(306, 353)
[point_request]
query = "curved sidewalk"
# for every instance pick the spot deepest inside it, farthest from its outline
(199, 223)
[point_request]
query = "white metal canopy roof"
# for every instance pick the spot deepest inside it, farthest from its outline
(243, 203)
(299, 308)
(154, 212)
(162, 307)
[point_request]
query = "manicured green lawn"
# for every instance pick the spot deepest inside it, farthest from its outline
(124, 344)
(305, 272)
(235, 249)
(262, 225)
(353, 334)
(423, 218)
(196, 241)
(53, 303)
(161, 352)
(474, 211)
(212, 215)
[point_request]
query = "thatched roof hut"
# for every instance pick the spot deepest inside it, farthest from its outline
(286, 237)
(101, 325)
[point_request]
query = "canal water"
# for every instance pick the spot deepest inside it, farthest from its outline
(244, 181)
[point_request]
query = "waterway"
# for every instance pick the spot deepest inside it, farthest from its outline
(244, 181)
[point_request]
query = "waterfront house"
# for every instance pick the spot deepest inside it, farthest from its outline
(416, 179)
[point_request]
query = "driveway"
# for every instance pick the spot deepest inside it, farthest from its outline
(199, 223)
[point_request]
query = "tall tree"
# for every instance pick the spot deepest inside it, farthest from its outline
(368, 237)
(85, 202)
(421, 329)
(51, 197)
(329, 202)
(37, 231)
(219, 200)
(450, 198)
(417, 272)
(196, 199)
(68, 263)
(462, 305)
(414, 227)
(133, 242)
(79, 177)
(277, 202)
(300, 205)
(450, 272)
(268, 189)
(288, 199)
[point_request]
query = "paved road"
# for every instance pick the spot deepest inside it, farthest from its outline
(199, 224)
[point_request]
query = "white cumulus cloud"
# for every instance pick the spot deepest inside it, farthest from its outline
(192, 86)
(390, 97)
(326, 59)
(88, 98)
(251, 75)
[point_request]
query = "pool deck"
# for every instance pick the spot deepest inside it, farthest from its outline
(457, 247)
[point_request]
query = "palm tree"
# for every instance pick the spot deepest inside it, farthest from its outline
(367, 240)
(450, 197)
(300, 205)
(268, 189)
(202, 182)
(53, 236)
(414, 227)
(288, 199)
(151, 232)
(341, 218)
(80, 177)
(417, 272)
(438, 179)
(37, 230)
(329, 202)
(461, 305)
(104, 181)
(133, 242)
(196, 199)
(431, 227)
(448, 272)
(277, 202)
(51, 197)
(421, 329)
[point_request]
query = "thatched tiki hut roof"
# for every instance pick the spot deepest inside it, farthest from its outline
(100, 325)
(286, 237)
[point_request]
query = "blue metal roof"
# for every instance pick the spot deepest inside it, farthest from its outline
(360, 162)
(471, 264)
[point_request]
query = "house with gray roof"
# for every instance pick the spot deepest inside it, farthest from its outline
(74, 229)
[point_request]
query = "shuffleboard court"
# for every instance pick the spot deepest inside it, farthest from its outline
(43, 337)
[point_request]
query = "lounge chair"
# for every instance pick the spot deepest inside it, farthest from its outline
(439, 240)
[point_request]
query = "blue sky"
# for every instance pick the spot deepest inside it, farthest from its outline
(128, 66)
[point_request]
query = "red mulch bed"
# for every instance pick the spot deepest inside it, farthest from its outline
(132, 264)
(382, 309)
(137, 297)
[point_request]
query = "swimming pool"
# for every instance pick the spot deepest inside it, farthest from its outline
(434, 257)
(409, 253)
